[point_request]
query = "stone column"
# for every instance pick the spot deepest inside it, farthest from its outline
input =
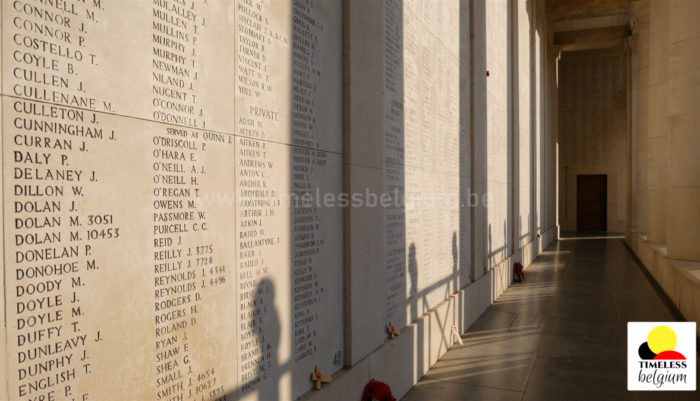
(630, 70)
(642, 29)
(657, 129)
(684, 138)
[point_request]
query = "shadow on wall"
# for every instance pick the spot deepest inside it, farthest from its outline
(399, 259)
(511, 94)
(314, 327)
(462, 243)
(413, 300)
(262, 361)
(455, 266)
(477, 168)
(418, 302)
(278, 328)
(499, 254)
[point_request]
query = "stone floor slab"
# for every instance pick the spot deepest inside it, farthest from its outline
(560, 335)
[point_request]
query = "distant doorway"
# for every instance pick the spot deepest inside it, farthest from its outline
(591, 202)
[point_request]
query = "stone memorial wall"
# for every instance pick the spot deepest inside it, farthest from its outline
(499, 142)
(172, 228)
(154, 155)
(422, 139)
(419, 139)
(523, 136)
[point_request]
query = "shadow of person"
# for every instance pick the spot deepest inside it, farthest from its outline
(455, 261)
(268, 333)
(491, 257)
(413, 296)
(258, 345)
(506, 241)
(413, 275)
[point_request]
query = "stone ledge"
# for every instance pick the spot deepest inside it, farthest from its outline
(688, 288)
(679, 279)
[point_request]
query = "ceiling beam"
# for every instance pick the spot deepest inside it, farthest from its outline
(591, 46)
(590, 23)
(591, 36)
(559, 10)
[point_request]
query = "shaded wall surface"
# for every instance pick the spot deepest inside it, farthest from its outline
(209, 199)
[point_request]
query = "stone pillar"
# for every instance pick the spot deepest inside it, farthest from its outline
(684, 138)
(657, 128)
(632, 69)
(642, 29)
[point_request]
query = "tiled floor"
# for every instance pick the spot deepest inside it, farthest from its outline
(561, 335)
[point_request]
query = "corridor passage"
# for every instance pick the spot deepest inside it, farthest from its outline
(561, 335)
